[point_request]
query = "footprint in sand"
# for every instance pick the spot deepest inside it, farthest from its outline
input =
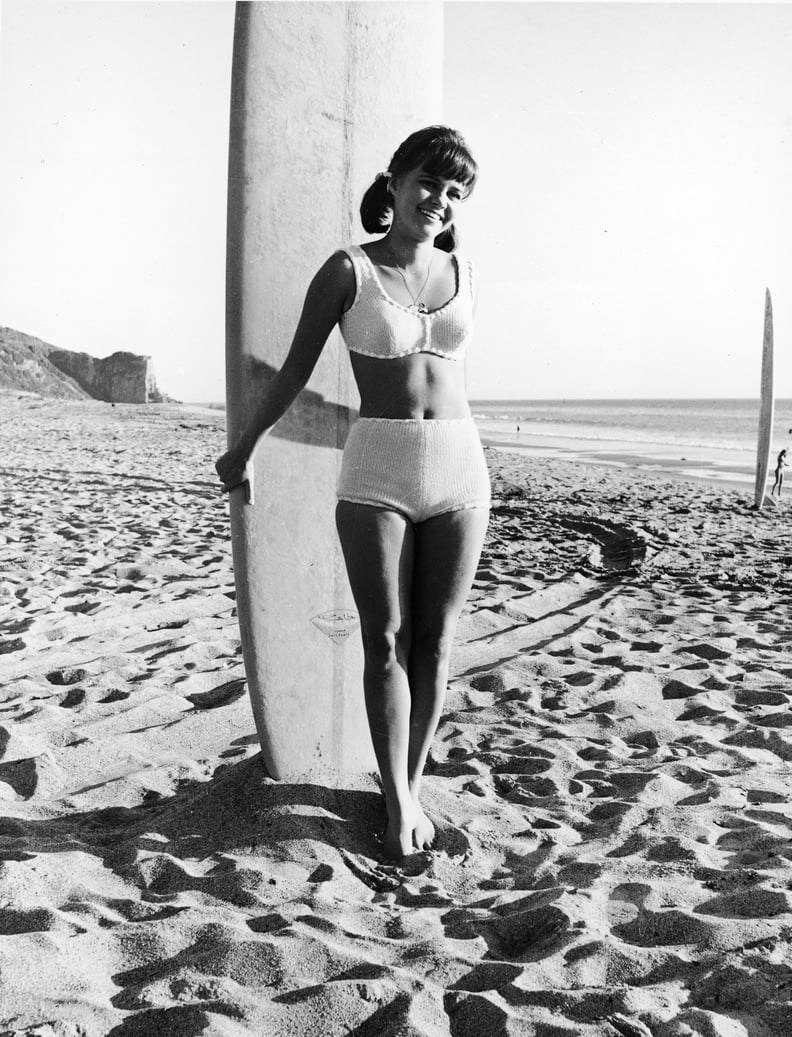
(580, 679)
(749, 903)
(663, 929)
(704, 651)
(647, 646)
(14, 922)
(766, 796)
(489, 975)
(610, 813)
(22, 776)
(74, 697)
(646, 740)
(518, 931)
(220, 696)
(270, 923)
(14, 644)
(620, 784)
(114, 696)
(759, 697)
(65, 678)
(675, 689)
(626, 900)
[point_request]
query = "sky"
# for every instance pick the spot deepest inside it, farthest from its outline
(634, 199)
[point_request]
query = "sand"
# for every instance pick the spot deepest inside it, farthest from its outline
(610, 779)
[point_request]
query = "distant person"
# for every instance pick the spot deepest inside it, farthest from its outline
(413, 494)
(781, 464)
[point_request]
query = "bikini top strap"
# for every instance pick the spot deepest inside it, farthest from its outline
(360, 268)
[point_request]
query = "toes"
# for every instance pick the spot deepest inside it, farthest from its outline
(424, 832)
(398, 840)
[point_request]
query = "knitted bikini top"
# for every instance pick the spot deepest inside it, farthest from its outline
(377, 325)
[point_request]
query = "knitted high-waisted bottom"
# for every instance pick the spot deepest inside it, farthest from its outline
(419, 467)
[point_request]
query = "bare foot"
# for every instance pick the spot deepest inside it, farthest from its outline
(424, 831)
(398, 841)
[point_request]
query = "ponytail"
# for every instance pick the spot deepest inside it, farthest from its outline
(447, 240)
(375, 209)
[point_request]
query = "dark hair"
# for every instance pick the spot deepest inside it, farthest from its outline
(439, 150)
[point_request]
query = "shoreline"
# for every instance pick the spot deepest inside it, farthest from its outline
(716, 468)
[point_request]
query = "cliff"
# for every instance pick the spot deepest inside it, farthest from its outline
(118, 378)
(28, 364)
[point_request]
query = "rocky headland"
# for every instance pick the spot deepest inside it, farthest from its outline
(29, 365)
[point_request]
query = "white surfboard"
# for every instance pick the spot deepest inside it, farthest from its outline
(322, 93)
(766, 407)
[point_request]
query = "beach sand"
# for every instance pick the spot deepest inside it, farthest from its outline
(610, 778)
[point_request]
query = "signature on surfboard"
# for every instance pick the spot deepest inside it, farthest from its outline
(337, 624)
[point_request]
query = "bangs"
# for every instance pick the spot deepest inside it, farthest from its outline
(441, 152)
(446, 160)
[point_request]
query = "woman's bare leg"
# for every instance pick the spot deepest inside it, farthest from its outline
(447, 551)
(378, 551)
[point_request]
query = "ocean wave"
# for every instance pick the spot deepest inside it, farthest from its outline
(617, 434)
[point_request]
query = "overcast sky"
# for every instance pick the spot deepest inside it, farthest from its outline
(634, 201)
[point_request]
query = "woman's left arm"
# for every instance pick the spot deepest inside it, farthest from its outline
(324, 303)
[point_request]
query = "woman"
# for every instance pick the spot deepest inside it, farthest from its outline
(413, 494)
(781, 464)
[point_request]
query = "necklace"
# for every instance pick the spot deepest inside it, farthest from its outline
(417, 305)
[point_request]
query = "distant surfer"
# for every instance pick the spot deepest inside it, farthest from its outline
(413, 494)
(781, 464)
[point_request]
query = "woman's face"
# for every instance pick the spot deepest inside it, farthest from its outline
(425, 205)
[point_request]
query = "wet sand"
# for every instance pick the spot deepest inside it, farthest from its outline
(726, 469)
(610, 778)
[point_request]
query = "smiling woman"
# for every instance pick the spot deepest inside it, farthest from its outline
(413, 492)
(430, 157)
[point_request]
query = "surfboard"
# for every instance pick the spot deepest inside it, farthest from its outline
(766, 407)
(315, 113)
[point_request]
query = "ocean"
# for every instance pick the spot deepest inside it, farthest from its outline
(713, 440)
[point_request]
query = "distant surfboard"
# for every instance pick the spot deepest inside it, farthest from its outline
(321, 95)
(766, 407)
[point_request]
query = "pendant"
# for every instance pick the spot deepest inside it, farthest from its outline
(419, 307)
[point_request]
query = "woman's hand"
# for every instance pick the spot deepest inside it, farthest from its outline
(231, 467)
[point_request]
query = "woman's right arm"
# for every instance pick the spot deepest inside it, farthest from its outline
(329, 294)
